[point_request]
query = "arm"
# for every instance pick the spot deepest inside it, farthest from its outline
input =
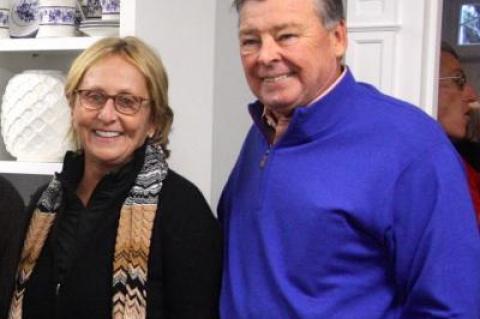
(191, 252)
(436, 239)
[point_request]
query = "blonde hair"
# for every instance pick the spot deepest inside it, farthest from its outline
(139, 54)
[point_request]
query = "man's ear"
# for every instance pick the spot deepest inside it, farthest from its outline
(339, 39)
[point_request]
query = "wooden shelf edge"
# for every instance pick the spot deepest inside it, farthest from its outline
(34, 168)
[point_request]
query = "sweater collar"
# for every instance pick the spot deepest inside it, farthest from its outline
(319, 117)
(73, 166)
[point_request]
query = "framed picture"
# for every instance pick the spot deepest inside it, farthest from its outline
(469, 25)
(462, 27)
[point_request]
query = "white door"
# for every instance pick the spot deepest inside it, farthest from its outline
(394, 45)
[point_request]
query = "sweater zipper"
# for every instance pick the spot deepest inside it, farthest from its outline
(58, 291)
(264, 159)
(57, 312)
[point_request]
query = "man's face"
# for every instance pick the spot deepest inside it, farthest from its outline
(288, 56)
(453, 98)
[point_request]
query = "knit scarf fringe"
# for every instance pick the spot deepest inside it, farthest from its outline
(132, 245)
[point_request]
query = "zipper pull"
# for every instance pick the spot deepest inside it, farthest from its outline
(263, 161)
(57, 288)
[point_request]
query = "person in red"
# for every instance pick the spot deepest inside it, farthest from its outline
(455, 97)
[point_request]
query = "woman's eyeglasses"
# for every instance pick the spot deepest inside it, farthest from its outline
(459, 80)
(124, 103)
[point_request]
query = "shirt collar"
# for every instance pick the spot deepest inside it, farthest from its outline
(270, 119)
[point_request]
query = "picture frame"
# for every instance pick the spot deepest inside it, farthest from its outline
(463, 32)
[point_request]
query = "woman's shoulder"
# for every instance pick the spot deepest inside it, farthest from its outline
(175, 185)
(180, 199)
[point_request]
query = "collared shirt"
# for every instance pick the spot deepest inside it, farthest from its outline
(272, 121)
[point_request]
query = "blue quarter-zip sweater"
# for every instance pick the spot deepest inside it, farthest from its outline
(360, 211)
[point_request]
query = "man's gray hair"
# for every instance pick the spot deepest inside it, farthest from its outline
(329, 11)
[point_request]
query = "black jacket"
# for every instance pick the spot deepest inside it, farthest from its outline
(185, 254)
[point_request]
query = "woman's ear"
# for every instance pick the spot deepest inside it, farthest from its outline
(151, 133)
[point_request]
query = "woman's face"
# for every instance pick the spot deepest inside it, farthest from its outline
(109, 138)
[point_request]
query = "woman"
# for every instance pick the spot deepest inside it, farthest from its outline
(117, 234)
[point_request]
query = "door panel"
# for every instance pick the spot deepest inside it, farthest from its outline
(394, 46)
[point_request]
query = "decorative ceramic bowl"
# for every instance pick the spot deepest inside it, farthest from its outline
(110, 9)
(35, 116)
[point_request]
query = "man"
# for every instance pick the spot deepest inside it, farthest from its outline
(455, 95)
(344, 203)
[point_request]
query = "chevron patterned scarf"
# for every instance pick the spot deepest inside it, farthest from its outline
(132, 246)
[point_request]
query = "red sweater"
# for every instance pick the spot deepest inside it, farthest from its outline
(474, 185)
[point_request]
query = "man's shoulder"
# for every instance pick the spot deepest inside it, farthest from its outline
(368, 95)
(393, 116)
(383, 124)
(372, 108)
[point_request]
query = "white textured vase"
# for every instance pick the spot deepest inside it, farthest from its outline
(35, 117)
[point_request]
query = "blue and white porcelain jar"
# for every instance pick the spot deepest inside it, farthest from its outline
(56, 18)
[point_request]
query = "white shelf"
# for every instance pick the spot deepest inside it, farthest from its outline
(46, 44)
(36, 168)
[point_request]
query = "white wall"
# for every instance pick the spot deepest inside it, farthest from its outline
(231, 96)
(183, 33)
(197, 41)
